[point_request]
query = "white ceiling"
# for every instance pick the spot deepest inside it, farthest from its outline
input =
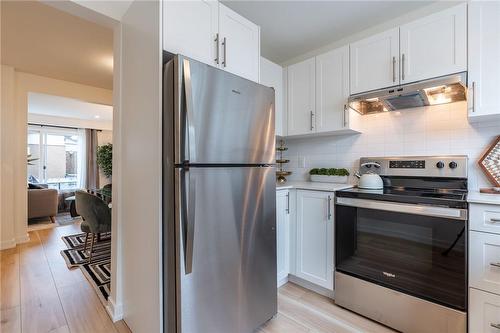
(42, 40)
(292, 28)
(56, 106)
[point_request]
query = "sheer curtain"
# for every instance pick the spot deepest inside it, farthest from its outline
(91, 172)
(82, 162)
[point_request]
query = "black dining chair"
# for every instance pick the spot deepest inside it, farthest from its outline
(96, 217)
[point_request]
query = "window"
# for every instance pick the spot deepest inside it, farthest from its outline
(57, 157)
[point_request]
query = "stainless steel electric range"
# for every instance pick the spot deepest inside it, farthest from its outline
(401, 252)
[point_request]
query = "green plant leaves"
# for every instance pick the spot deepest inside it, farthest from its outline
(329, 172)
(105, 159)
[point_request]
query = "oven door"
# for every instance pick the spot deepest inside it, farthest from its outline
(418, 250)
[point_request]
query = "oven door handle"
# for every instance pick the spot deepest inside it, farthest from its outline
(444, 212)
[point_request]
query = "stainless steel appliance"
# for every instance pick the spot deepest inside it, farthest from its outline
(440, 90)
(219, 200)
(401, 252)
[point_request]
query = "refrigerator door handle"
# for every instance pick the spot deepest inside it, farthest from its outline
(191, 133)
(188, 203)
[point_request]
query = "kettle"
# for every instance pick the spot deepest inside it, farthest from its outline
(370, 180)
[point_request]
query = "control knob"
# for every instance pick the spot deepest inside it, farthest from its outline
(440, 164)
(453, 165)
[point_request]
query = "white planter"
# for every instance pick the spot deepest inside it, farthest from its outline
(329, 179)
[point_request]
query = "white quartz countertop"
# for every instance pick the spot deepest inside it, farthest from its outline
(483, 198)
(315, 186)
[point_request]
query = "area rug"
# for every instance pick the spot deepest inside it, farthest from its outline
(98, 273)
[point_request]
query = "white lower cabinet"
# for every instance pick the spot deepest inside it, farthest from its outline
(484, 261)
(484, 312)
(282, 235)
(314, 237)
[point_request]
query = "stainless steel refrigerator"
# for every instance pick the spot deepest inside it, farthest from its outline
(219, 200)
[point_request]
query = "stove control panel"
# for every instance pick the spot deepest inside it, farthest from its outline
(415, 164)
(453, 166)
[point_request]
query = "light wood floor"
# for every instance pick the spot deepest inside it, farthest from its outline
(38, 293)
(301, 311)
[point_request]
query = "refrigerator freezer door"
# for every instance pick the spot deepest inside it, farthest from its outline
(231, 282)
(221, 118)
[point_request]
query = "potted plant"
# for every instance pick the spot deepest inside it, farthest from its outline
(105, 159)
(329, 175)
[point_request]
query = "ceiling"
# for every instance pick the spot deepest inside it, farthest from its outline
(292, 28)
(57, 106)
(42, 40)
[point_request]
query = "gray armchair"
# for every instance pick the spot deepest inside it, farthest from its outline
(96, 217)
(42, 202)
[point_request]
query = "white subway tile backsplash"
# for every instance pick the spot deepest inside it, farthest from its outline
(435, 130)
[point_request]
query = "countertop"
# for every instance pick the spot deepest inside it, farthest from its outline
(315, 186)
(483, 198)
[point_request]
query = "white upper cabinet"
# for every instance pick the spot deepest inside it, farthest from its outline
(240, 44)
(191, 28)
(374, 62)
(271, 75)
(301, 97)
(210, 32)
(484, 60)
(314, 256)
(435, 45)
(332, 90)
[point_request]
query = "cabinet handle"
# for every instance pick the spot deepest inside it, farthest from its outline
(393, 69)
(288, 203)
(473, 96)
(493, 220)
(329, 207)
(312, 115)
(224, 45)
(403, 66)
(344, 121)
(496, 264)
(497, 326)
(216, 40)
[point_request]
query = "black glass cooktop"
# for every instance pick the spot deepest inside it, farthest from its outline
(438, 197)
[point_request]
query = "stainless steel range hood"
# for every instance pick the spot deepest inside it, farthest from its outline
(441, 90)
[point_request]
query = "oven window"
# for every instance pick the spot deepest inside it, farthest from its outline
(418, 255)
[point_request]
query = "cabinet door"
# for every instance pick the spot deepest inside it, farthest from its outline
(190, 28)
(484, 58)
(282, 233)
(435, 45)
(484, 261)
(484, 312)
(301, 97)
(240, 44)
(374, 62)
(271, 75)
(332, 90)
(315, 237)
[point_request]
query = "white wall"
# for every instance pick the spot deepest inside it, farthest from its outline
(14, 114)
(434, 130)
(43, 119)
(141, 167)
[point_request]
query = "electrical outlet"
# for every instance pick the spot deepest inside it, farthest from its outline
(302, 162)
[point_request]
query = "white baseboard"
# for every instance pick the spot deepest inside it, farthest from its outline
(8, 244)
(311, 286)
(115, 311)
(23, 239)
(282, 281)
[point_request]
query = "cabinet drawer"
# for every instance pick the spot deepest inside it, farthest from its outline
(484, 312)
(484, 261)
(484, 218)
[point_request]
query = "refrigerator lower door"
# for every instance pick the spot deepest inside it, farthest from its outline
(227, 249)
(221, 118)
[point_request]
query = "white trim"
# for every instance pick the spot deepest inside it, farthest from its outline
(311, 286)
(283, 281)
(8, 244)
(115, 311)
(22, 239)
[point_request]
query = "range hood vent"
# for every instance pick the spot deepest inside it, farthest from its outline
(441, 90)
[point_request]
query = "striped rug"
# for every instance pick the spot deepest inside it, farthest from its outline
(99, 271)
